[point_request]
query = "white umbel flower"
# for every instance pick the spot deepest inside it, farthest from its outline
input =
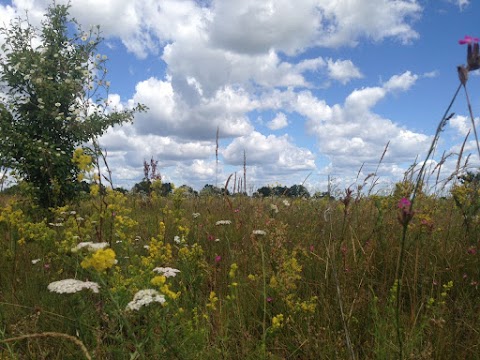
(166, 271)
(91, 246)
(145, 297)
(70, 286)
(259, 232)
(223, 222)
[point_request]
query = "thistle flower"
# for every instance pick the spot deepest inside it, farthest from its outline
(145, 297)
(70, 286)
(166, 271)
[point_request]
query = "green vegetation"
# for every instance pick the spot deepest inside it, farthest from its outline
(275, 279)
(55, 102)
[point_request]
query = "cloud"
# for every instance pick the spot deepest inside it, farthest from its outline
(270, 151)
(462, 125)
(351, 134)
(278, 122)
(170, 115)
(343, 70)
(345, 22)
(401, 82)
(462, 4)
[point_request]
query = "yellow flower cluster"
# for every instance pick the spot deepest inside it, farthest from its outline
(83, 162)
(277, 322)
(158, 253)
(212, 301)
(100, 260)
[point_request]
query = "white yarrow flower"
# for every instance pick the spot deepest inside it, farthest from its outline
(274, 208)
(35, 261)
(70, 286)
(223, 222)
(145, 297)
(91, 246)
(166, 271)
(176, 239)
(259, 232)
(286, 203)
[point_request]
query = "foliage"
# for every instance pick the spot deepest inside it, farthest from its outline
(55, 91)
(251, 281)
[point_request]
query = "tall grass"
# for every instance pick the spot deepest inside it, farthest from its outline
(321, 282)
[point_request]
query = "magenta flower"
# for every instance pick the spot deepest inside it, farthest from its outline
(468, 40)
(404, 203)
(218, 258)
(473, 57)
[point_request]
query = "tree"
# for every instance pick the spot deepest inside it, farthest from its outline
(264, 191)
(54, 89)
(298, 191)
(209, 190)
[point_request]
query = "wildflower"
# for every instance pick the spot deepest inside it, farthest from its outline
(277, 321)
(101, 260)
(259, 232)
(195, 215)
(274, 208)
(35, 261)
(404, 203)
(286, 203)
(167, 271)
(472, 250)
(70, 286)
(92, 247)
(269, 299)
(57, 104)
(145, 297)
(218, 258)
(223, 222)
(405, 213)
(473, 54)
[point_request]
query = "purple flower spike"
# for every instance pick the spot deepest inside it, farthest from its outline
(468, 40)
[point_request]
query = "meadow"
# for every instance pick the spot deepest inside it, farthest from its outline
(237, 277)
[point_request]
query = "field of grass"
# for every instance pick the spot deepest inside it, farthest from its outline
(271, 278)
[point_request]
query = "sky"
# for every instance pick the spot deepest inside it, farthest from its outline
(309, 91)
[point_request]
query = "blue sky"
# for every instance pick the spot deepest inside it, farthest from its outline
(306, 88)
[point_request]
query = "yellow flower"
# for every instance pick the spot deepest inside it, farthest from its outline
(277, 322)
(100, 260)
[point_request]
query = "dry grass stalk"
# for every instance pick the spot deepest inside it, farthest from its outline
(48, 334)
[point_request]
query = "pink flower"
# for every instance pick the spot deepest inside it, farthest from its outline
(472, 250)
(218, 258)
(468, 40)
(269, 299)
(312, 248)
(404, 203)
